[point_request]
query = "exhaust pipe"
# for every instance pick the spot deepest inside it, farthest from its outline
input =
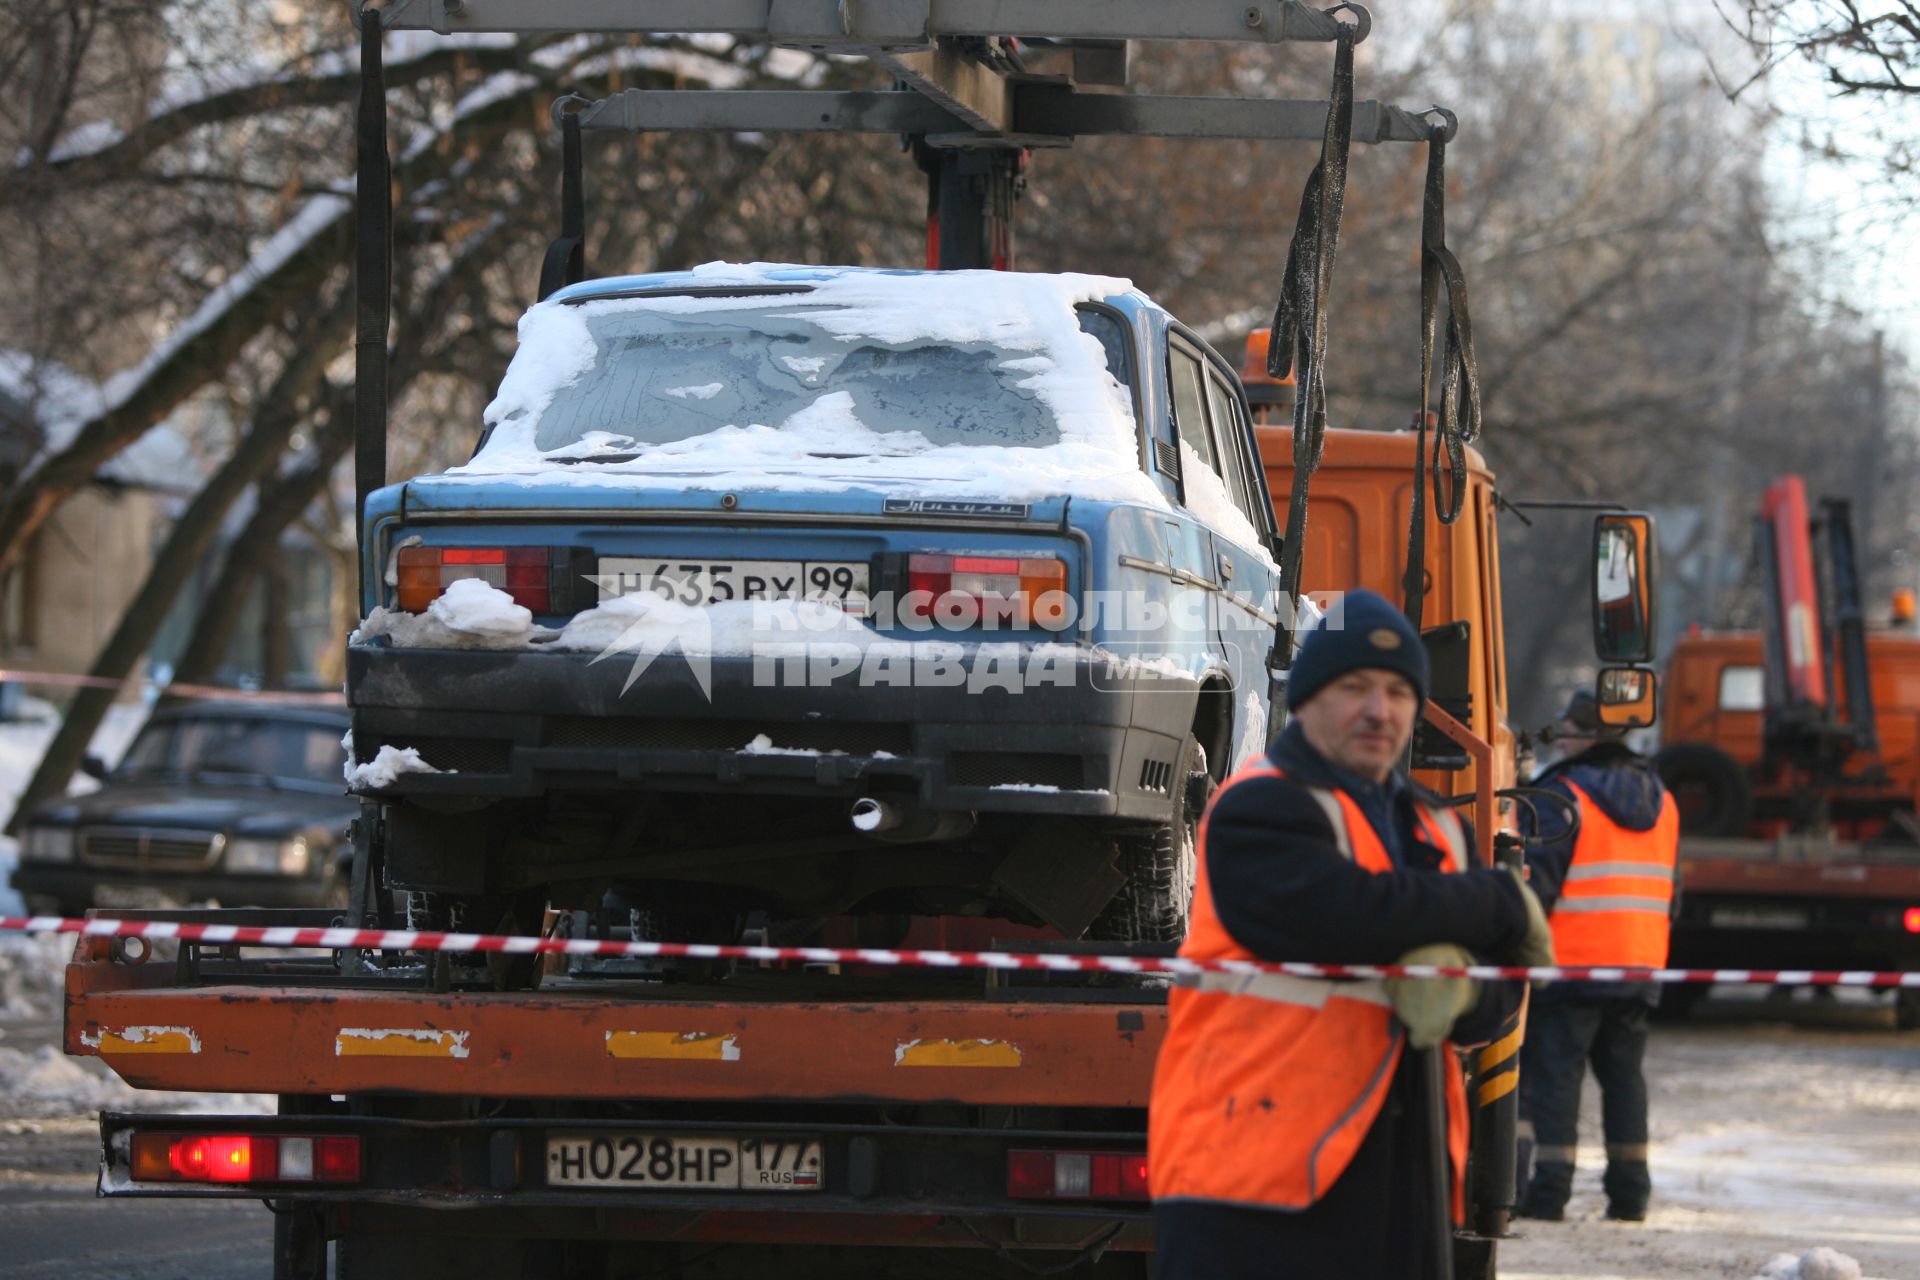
(874, 816)
(884, 820)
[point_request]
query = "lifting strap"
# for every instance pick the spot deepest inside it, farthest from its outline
(1300, 320)
(566, 260)
(373, 268)
(1457, 425)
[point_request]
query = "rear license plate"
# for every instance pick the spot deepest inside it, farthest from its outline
(655, 1162)
(842, 583)
(1757, 918)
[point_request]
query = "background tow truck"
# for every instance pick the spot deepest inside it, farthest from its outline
(1794, 753)
(809, 1123)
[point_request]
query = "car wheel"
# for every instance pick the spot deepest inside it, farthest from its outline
(1906, 1009)
(665, 924)
(1154, 903)
(487, 914)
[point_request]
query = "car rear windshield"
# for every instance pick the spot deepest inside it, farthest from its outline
(662, 376)
(216, 747)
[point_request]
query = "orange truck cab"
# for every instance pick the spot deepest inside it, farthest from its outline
(1356, 537)
(1716, 697)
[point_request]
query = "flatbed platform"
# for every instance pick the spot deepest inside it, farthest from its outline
(759, 1036)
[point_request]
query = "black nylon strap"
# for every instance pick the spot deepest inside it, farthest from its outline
(566, 260)
(1457, 424)
(1299, 342)
(373, 269)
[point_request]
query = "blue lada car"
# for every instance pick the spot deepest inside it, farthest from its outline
(817, 591)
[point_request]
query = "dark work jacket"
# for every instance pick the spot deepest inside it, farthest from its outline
(1284, 891)
(1629, 792)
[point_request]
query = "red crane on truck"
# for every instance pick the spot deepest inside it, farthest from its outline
(1794, 753)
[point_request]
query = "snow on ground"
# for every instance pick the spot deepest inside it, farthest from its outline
(38, 1081)
(46, 1084)
(1768, 1139)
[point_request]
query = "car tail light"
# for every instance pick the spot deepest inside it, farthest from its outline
(538, 578)
(1911, 919)
(1076, 1175)
(244, 1158)
(967, 590)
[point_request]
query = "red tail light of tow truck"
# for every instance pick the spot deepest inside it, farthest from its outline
(244, 1158)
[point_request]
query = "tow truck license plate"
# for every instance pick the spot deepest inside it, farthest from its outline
(1757, 918)
(842, 583)
(654, 1162)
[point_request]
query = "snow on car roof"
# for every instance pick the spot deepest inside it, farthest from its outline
(1033, 315)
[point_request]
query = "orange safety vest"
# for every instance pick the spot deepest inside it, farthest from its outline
(1267, 1083)
(1616, 905)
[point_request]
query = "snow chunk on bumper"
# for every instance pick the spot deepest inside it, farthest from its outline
(470, 614)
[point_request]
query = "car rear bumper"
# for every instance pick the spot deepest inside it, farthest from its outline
(1746, 931)
(80, 887)
(1067, 732)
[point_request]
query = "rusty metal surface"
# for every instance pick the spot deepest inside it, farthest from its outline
(589, 1044)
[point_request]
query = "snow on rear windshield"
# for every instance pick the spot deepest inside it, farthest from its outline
(658, 378)
(995, 379)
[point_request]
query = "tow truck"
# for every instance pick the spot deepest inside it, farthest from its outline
(438, 1113)
(1792, 754)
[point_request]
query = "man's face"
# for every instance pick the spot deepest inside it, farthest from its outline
(1361, 720)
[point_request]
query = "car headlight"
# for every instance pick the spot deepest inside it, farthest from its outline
(50, 844)
(268, 857)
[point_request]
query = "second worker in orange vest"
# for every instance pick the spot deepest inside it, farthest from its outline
(1290, 1132)
(1610, 891)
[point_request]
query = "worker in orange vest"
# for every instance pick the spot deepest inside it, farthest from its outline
(1610, 892)
(1290, 1132)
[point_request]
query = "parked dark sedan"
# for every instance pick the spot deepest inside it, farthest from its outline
(240, 803)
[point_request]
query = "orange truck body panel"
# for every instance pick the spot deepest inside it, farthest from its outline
(580, 1041)
(1699, 666)
(1359, 512)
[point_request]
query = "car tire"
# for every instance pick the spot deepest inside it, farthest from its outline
(1710, 786)
(489, 914)
(1154, 903)
(1906, 1009)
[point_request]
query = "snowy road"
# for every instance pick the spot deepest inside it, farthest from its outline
(1776, 1130)
(56, 1228)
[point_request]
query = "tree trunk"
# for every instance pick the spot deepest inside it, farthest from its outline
(181, 553)
(280, 504)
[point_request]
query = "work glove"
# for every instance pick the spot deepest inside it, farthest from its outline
(1536, 949)
(1430, 1006)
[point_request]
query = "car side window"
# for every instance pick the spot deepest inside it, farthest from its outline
(1230, 428)
(1111, 332)
(1189, 406)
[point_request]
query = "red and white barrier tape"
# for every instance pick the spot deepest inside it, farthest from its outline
(62, 680)
(410, 940)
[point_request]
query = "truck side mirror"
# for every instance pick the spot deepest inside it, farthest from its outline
(1628, 697)
(94, 767)
(1623, 587)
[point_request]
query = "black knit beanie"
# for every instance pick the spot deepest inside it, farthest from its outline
(1361, 629)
